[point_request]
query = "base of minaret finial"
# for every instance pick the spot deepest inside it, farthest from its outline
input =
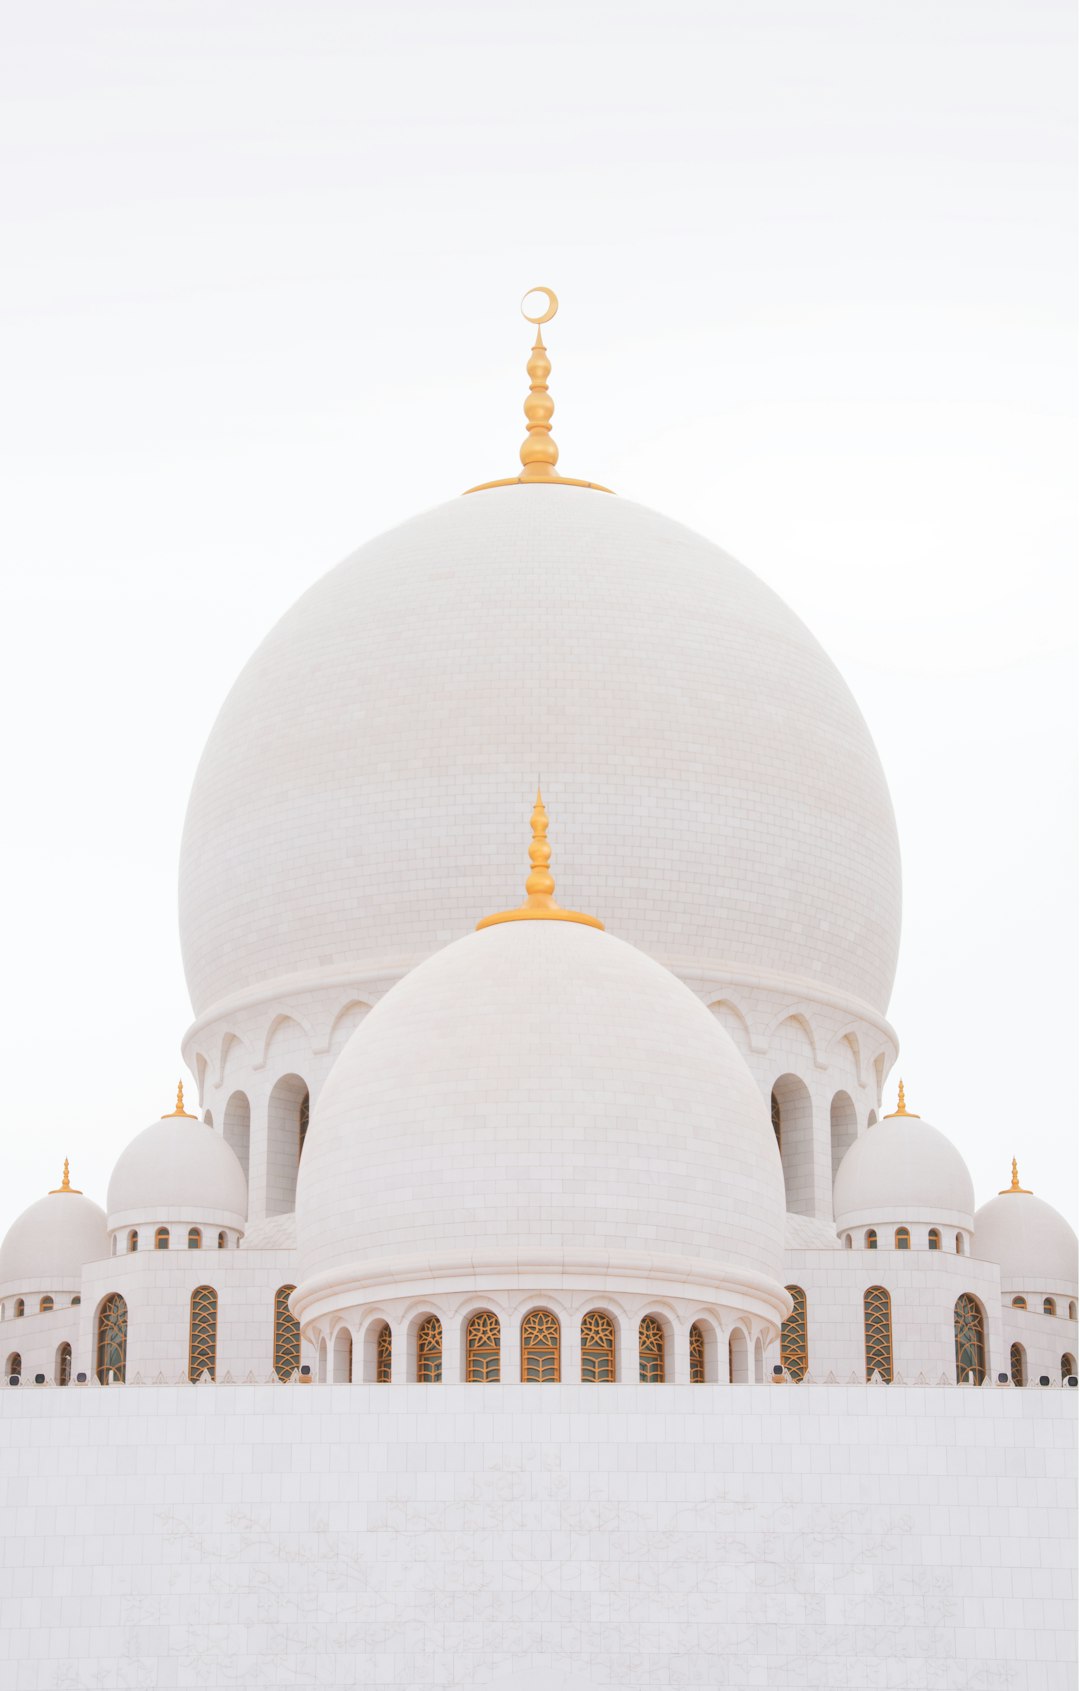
(526, 480)
(540, 910)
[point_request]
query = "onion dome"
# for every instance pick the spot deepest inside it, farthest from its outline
(903, 1170)
(671, 695)
(48, 1246)
(1034, 1246)
(540, 1105)
(177, 1169)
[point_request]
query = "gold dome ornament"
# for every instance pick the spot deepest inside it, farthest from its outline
(179, 1110)
(539, 453)
(1016, 1186)
(539, 903)
(901, 1107)
(65, 1183)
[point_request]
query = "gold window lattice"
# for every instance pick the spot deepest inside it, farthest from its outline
(1049, 1306)
(14, 1364)
(384, 1355)
(1016, 1365)
(161, 1239)
(934, 1239)
(903, 1239)
(871, 1239)
(111, 1353)
(794, 1350)
(1019, 1303)
(46, 1303)
(597, 1346)
(970, 1340)
(194, 1239)
(429, 1351)
(650, 1351)
(1068, 1366)
(482, 1347)
(63, 1365)
(697, 1356)
(286, 1335)
(877, 1332)
(202, 1334)
(540, 1346)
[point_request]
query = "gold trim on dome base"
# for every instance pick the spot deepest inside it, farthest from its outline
(539, 903)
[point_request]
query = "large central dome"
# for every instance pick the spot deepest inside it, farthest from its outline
(716, 790)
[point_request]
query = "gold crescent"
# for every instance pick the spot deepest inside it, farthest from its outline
(553, 305)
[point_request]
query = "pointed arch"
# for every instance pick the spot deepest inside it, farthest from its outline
(281, 1030)
(598, 1346)
(969, 1332)
(483, 1347)
(738, 1357)
(342, 1356)
(798, 1023)
(62, 1371)
(733, 1021)
(110, 1351)
(793, 1123)
(286, 1335)
(794, 1350)
(345, 1023)
(286, 1120)
(236, 1128)
(1017, 1365)
(202, 1333)
(843, 1127)
(877, 1333)
(540, 1336)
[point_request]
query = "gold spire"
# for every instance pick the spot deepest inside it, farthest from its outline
(539, 453)
(65, 1184)
(539, 903)
(1016, 1186)
(901, 1107)
(179, 1110)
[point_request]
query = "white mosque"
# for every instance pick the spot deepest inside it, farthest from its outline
(331, 1349)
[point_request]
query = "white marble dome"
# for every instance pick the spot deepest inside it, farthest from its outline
(1034, 1246)
(539, 1104)
(178, 1168)
(901, 1170)
(716, 790)
(50, 1243)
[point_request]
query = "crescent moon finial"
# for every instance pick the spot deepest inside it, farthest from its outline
(552, 305)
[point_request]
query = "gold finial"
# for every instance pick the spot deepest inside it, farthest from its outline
(901, 1107)
(65, 1184)
(1016, 1186)
(539, 903)
(539, 453)
(179, 1110)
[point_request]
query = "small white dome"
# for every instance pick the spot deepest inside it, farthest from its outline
(1034, 1246)
(175, 1169)
(52, 1241)
(539, 1104)
(903, 1169)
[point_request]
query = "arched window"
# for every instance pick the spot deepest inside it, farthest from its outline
(62, 1375)
(1072, 1309)
(429, 1351)
(161, 1239)
(697, 1355)
(202, 1334)
(847, 1242)
(1019, 1303)
(871, 1239)
(1049, 1306)
(650, 1351)
(903, 1239)
(794, 1355)
(222, 1241)
(959, 1244)
(305, 1117)
(111, 1351)
(738, 1357)
(133, 1239)
(194, 1239)
(1017, 1365)
(774, 1109)
(76, 1300)
(933, 1239)
(877, 1332)
(13, 1365)
(970, 1340)
(20, 1306)
(383, 1355)
(540, 1346)
(286, 1335)
(46, 1302)
(597, 1346)
(482, 1347)
(341, 1356)
(1068, 1366)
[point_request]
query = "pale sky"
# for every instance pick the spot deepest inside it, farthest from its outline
(817, 265)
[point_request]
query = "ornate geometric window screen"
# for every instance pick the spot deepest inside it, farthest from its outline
(777, 1126)
(650, 1351)
(597, 1346)
(1049, 1306)
(46, 1303)
(1068, 1366)
(970, 1340)
(794, 1355)
(63, 1365)
(1019, 1303)
(383, 1355)
(286, 1335)
(14, 1364)
(540, 1346)
(903, 1239)
(305, 1117)
(429, 1351)
(194, 1239)
(877, 1332)
(202, 1334)
(111, 1354)
(161, 1239)
(1017, 1371)
(697, 1356)
(482, 1347)
(934, 1239)
(871, 1239)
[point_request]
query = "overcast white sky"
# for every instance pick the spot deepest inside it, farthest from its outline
(818, 273)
